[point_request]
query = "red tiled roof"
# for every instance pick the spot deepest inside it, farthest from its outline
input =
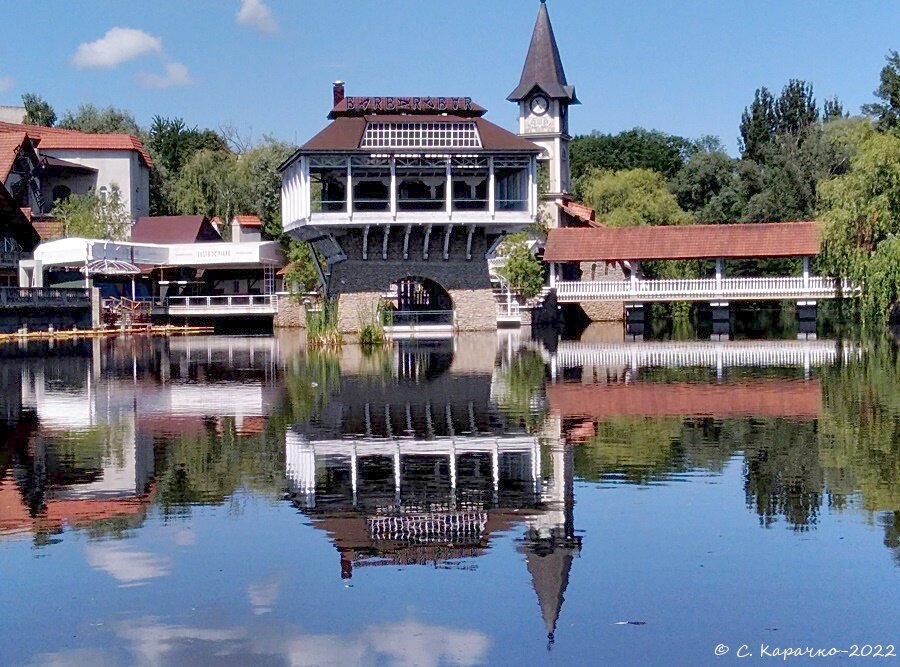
(10, 142)
(753, 398)
(580, 212)
(174, 229)
(750, 240)
(345, 134)
(54, 137)
(248, 220)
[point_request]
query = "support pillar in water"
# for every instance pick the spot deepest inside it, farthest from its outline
(807, 312)
(721, 320)
(635, 321)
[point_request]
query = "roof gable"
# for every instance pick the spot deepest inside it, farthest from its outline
(50, 138)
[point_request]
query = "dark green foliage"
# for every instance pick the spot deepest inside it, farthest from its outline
(38, 111)
(887, 112)
(632, 149)
(758, 125)
(109, 120)
(523, 271)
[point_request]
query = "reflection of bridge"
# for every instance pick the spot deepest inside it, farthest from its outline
(796, 399)
(701, 353)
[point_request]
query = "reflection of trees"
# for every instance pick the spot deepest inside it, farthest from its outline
(636, 450)
(522, 398)
(207, 467)
(859, 443)
(782, 475)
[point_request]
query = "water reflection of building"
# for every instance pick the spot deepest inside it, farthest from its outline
(96, 411)
(425, 469)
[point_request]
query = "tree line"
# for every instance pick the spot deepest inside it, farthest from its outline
(799, 160)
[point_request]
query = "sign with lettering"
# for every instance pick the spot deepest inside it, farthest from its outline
(364, 105)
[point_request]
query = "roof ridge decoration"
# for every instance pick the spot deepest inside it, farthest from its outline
(543, 67)
(418, 106)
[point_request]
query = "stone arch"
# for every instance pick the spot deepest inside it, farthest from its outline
(421, 293)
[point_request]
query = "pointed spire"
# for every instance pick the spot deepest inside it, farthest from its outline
(550, 578)
(543, 67)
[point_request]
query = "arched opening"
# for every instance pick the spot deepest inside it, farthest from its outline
(418, 300)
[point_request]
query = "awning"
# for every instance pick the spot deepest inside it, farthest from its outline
(110, 267)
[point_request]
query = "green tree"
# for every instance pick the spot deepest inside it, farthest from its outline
(91, 216)
(172, 143)
(795, 109)
(630, 197)
(38, 111)
(833, 109)
(109, 120)
(260, 165)
(522, 270)
(758, 125)
(210, 184)
(301, 270)
(862, 211)
(715, 187)
(887, 112)
(633, 149)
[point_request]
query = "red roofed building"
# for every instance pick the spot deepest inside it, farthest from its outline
(72, 162)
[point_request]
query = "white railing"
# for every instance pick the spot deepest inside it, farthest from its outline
(231, 304)
(703, 289)
(701, 353)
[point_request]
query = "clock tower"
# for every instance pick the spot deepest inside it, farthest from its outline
(544, 97)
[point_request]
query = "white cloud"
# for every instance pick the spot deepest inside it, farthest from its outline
(256, 14)
(176, 74)
(6, 83)
(129, 568)
(117, 46)
(262, 597)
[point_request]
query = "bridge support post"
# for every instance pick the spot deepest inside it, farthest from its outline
(721, 320)
(635, 321)
(807, 313)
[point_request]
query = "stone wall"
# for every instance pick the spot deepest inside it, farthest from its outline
(603, 311)
(291, 312)
(359, 283)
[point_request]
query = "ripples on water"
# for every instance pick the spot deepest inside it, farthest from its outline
(210, 499)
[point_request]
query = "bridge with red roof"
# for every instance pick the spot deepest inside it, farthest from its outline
(627, 247)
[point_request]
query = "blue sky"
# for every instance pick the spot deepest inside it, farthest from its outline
(686, 67)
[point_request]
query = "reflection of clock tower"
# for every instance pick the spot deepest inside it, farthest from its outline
(544, 97)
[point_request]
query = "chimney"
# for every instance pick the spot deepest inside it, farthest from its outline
(338, 92)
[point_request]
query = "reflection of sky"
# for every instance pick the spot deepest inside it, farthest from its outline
(674, 556)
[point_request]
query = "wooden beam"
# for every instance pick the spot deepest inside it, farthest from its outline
(384, 245)
(469, 242)
(427, 239)
(365, 247)
(406, 242)
(447, 232)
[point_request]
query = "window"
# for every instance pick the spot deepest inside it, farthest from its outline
(421, 135)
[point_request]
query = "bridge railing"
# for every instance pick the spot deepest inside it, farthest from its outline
(44, 297)
(705, 288)
(265, 303)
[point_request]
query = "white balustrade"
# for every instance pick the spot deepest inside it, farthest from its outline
(702, 289)
(225, 304)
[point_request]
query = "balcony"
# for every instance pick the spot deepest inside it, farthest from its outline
(341, 190)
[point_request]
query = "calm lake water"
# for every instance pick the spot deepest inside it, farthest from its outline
(490, 499)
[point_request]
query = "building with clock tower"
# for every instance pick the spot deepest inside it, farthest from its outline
(544, 97)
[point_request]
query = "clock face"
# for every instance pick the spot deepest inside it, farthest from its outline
(539, 105)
